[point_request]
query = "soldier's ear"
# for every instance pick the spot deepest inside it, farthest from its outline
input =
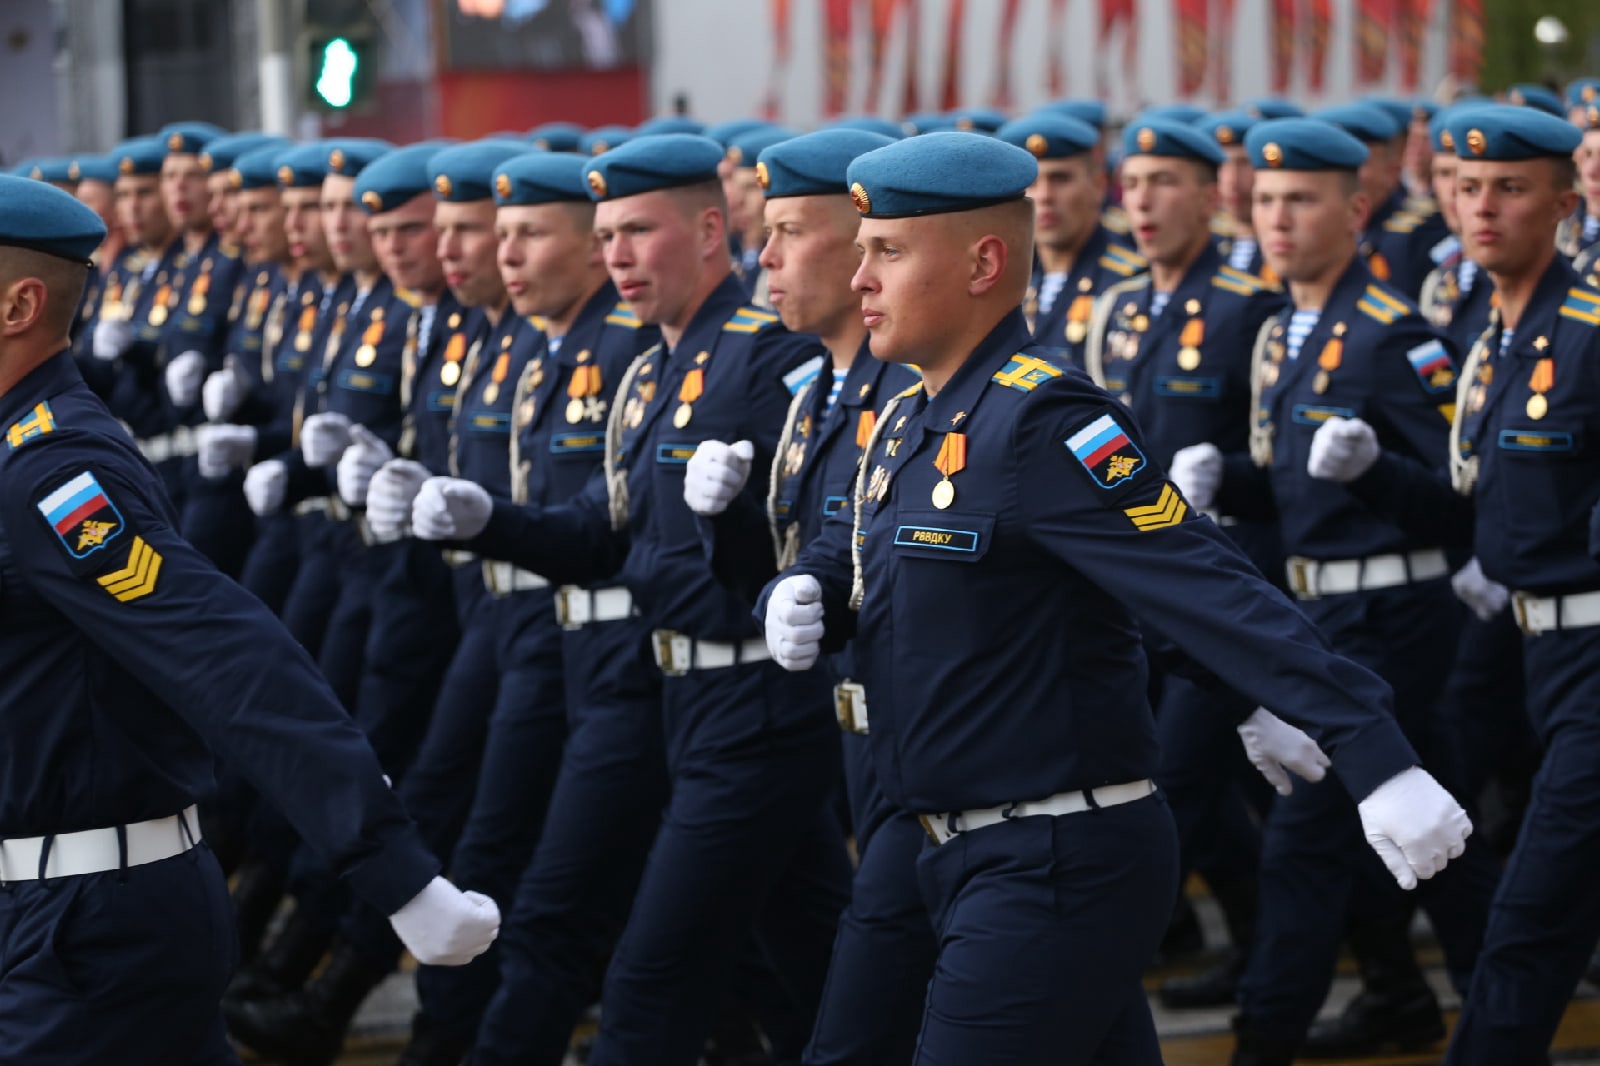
(22, 305)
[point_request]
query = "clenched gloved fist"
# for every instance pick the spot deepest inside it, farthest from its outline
(265, 485)
(324, 437)
(715, 474)
(1197, 471)
(367, 452)
(444, 926)
(220, 449)
(225, 390)
(184, 375)
(391, 494)
(1486, 598)
(1414, 825)
(450, 508)
(1342, 449)
(794, 622)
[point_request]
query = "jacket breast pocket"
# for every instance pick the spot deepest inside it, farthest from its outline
(1540, 442)
(952, 537)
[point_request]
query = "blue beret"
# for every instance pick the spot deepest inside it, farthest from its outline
(1185, 114)
(1273, 107)
(303, 166)
(922, 122)
(94, 168)
(541, 178)
(1399, 111)
(556, 136)
(725, 133)
(976, 119)
(1050, 135)
(349, 156)
(1588, 116)
(1170, 138)
(1582, 91)
(56, 170)
(1439, 131)
(21, 169)
(747, 147)
(139, 156)
(1303, 144)
(668, 124)
(1091, 111)
(939, 173)
(868, 124)
(1227, 128)
(1537, 97)
(466, 172)
(815, 164)
(257, 168)
(1506, 133)
(189, 138)
(663, 161)
(46, 219)
(219, 154)
(1368, 123)
(603, 139)
(395, 178)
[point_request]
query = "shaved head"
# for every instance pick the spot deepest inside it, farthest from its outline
(62, 279)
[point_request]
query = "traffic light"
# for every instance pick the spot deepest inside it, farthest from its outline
(340, 55)
(338, 70)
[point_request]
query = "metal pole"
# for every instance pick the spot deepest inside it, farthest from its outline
(279, 101)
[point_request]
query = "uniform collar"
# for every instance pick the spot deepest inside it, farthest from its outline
(955, 401)
(1540, 317)
(53, 376)
(1194, 279)
(1345, 292)
(1395, 202)
(708, 319)
(588, 323)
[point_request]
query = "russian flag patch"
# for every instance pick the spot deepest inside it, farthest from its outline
(1432, 365)
(1105, 450)
(82, 515)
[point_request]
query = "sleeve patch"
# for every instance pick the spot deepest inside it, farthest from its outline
(82, 515)
(1026, 373)
(31, 426)
(1432, 365)
(1105, 450)
(1169, 509)
(137, 579)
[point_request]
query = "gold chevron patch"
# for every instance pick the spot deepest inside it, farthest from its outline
(137, 579)
(1166, 511)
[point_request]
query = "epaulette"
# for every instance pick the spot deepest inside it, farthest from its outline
(31, 426)
(1583, 305)
(1123, 260)
(908, 391)
(624, 315)
(1422, 206)
(1401, 222)
(1238, 282)
(409, 298)
(748, 320)
(1222, 225)
(1380, 306)
(1026, 372)
(803, 375)
(539, 322)
(1115, 219)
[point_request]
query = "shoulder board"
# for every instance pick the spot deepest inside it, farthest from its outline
(1380, 306)
(748, 320)
(803, 375)
(908, 392)
(1245, 284)
(1115, 219)
(1026, 372)
(1583, 305)
(539, 322)
(1401, 222)
(407, 297)
(31, 426)
(1120, 259)
(1222, 225)
(1422, 206)
(623, 315)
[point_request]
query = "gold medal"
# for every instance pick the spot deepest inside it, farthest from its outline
(1319, 384)
(491, 393)
(525, 412)
(575, 411)
(158, 314)
(682, 415)
(1538, 406)
(366, 355)
(1189, 358)
(1076, 332)
(1544, 376)
(450, 374)
(944, 494)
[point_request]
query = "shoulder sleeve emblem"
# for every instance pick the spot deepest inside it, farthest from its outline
(82, 515)
(31, 426)
(1169, 509)
(1105, 450)
(1432, 366)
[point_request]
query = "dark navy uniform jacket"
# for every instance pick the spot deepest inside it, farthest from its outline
(1457, 299)
(1371, 356)
(1103, 261)
(996, 635)
(293, 316)
(458, 336)
(138, 395)
(642, 529)
(1403, 241)
(202, 297)
(480, 444)
(247, 318)
(110, 703)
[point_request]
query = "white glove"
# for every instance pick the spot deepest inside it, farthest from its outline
(1486, 598)
(112, 337)
(450, 508)
(390, 495)
(225, 390)
(221, 448)
(359, 462)
(794, 622)
(1342, 449)
(1197, 471)
(264, 486)
(184, 375)
(324, 437)
(444, 926)
(1275, 747)
(1414, 825)
(716, 473)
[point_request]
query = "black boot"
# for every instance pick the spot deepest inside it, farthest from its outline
(1396, 1009)
(257, 893)
(429, 1046)
(307, 1027)
(1253, 1047)
(283, 966)
(1217, 986)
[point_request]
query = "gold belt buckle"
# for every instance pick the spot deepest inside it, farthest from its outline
(1300, 578)
(1519, 607)
(564, 607)
(849, 697)
(927, 827)
(490, 579)
(666, 653)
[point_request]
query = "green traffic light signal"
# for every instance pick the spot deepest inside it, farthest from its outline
(337, 66)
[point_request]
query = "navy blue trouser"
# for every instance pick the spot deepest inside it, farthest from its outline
(748, 842)
(217, 520)
(570, 903)
(1045, 926)
(1545, 918)
(1313, 841)
(124, 966)
(884, 951)
(269, 571)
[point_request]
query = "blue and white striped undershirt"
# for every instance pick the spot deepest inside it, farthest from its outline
(1243, 251)
(1301, 323)
(1158, 303)
(1050, 287)
(834, 390)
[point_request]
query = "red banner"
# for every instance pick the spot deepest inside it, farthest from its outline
(1008, 31)
(837, 57)
(1413, 22)
(1374, 23)
(1111, 13)
(780, 56)
(1321, 31)
(1466, 39)
(1194, 18)
(1057, 37)
(1284, 23)
(950, 84)
(1222, 52)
